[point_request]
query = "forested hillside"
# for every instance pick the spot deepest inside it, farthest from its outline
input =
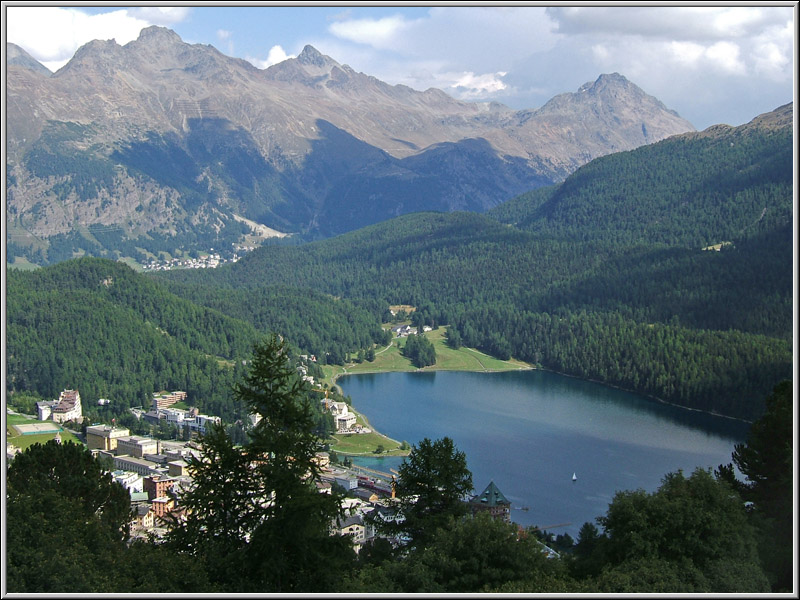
(96, 325)
(691, 190)
(586, 283)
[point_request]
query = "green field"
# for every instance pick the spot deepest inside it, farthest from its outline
(132, 263)
(389, 359)
(365, 443)
(22, 264)
(23, 441)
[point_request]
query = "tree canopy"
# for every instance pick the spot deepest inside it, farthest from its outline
(254, 516)
(433, 483)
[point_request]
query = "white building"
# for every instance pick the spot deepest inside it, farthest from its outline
(339, 408)
(132, 482)
(202, 422)
(66, 408)
(345, 422)
(175, 416)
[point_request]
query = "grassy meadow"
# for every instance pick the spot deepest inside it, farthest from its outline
(24, 441)
(390, 359)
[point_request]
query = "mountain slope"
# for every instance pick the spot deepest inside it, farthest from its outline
(96, 325)
(167, 140)
(17, 56)
(695, 189)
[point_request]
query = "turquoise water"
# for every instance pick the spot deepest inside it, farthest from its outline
(529, 431)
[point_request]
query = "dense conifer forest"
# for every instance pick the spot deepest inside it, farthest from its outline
(666, 270)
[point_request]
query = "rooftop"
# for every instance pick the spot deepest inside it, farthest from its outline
(491, 496)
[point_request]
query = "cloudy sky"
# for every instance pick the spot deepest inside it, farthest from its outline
(711, 64)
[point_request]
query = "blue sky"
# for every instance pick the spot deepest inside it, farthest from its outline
(711, 64)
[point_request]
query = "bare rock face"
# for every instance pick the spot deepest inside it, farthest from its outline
(151, 134)
(17, 56)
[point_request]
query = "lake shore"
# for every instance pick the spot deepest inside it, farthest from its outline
(390, 360)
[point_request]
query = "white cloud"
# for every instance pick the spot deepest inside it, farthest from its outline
(471, 86)
(276, 54)
(664, 22)
(725, 56)
(379, 33)
(52, 34)
(223, 34)
(736, 21)
(686, 53)
(771, 53)
(161, 15)
(471, 45)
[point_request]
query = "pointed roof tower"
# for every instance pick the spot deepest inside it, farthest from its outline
(493, 501)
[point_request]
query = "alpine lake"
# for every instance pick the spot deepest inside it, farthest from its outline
(531, 431)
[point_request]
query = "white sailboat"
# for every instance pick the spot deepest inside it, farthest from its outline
(574, 477)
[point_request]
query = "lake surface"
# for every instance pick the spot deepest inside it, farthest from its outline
(529, 431)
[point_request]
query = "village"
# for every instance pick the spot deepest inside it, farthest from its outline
(207, 261)
(157, 472)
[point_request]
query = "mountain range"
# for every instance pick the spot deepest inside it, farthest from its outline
(172, 144)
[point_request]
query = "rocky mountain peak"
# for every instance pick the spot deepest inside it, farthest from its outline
(310, 56)
(17, 56)
(160, 109)
(310, 68)
(94, 56)
(159, 35)
(609, 83)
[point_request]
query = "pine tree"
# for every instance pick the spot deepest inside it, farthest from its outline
(254, 514)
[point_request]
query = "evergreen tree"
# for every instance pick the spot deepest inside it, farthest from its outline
(695, 526)
(66, 522)
(433, 483)
(254, 514)
(767, 462)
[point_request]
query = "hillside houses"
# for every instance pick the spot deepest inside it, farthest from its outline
(406, 330)
(196, 422)
(166, 399)
(66, 408)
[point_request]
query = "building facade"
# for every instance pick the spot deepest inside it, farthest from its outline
(158, 486)
(66, 408)
(167, 399)
(137, 446)
(104, 437)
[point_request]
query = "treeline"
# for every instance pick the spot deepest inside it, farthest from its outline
(326, 327)
(743, 286)
(717, 371)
